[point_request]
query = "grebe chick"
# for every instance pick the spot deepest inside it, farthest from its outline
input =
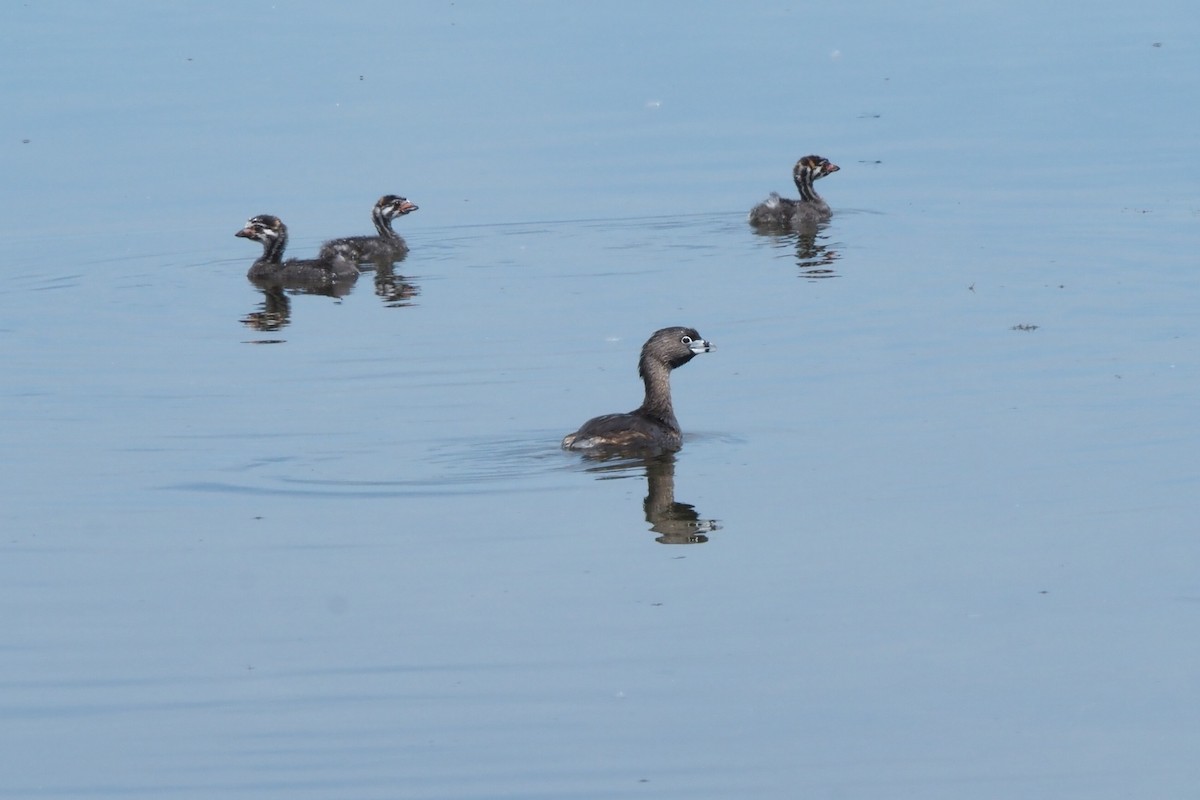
(781, 212)
(273, 234)
(652, 426)
(386, 247)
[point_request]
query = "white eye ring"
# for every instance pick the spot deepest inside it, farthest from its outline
(686, 340)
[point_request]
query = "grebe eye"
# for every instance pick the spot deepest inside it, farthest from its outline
(686, 340)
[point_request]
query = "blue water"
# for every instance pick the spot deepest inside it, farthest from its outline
(932, 532)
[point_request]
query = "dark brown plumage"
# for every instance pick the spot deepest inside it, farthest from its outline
(386, 246)
(270, 267)
(782, 212)
(652, 426)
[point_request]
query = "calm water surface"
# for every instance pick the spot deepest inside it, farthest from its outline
(933, 530)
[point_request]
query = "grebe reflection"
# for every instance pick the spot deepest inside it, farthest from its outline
(275, 311)
(674, 522)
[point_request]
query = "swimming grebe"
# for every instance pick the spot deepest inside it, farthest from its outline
(651, 427)
(386, 247)
(782, 212)
(273, 234)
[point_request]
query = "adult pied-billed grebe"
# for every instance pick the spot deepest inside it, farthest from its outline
(651, 427)
(781, 212)
(386, 247)
(271, 267)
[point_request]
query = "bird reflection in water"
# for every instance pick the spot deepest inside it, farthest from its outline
(275, 311)
(675, 523)
(390, 286)
(393, 288)
(813, 256)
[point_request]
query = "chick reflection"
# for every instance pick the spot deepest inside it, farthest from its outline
(275, 311)
(813, 256)
(676, 523)
(391, 287)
